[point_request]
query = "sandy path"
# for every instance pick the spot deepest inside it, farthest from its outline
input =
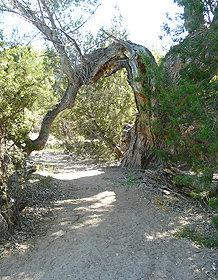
(103, 231)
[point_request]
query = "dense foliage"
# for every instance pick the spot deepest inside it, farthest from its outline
(25, 87)
(185, 116)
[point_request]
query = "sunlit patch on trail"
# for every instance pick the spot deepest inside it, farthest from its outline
(71, 175)
(94, 208)
(87, 212)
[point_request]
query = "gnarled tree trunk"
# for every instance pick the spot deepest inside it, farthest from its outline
(107, 61)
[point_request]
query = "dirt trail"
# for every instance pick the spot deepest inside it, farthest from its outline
(104, 231)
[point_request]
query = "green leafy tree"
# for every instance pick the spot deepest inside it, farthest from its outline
(24, 87)
(184, 116)
(23, 82)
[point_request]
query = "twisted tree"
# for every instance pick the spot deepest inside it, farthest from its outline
(197, 51)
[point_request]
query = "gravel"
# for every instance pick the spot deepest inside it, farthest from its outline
(41, 194)
(196, 214)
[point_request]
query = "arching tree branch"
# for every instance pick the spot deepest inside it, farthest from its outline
(98, 63)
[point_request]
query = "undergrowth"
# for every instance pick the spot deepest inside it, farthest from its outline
(197, 236)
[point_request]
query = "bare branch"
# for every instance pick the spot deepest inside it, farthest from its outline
(49, 15)
(75, 44)
(73, 31)
(42, 18)
(49, 33)
(110, 35)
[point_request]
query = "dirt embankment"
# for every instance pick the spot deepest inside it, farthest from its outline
(110, 225)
